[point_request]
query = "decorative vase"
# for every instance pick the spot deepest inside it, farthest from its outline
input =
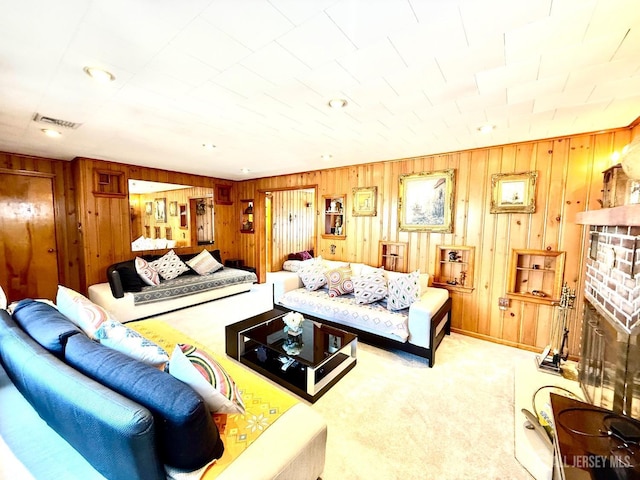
(293, 323)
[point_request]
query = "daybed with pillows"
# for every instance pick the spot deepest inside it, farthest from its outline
(131, 411)
(152, 284)
(390, 309)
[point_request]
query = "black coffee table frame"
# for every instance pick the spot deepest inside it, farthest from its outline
(308, 378)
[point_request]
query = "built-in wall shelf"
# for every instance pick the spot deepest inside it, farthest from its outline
(393, 256)
(454, 267)
(536, 276)
(333, 211)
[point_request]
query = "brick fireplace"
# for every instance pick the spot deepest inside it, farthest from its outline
(610, 353)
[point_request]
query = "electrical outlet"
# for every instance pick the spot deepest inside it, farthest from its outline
(503, 303)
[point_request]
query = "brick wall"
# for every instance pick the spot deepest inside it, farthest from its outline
(613, 276)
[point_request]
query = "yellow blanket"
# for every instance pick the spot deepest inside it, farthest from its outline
(264, 403)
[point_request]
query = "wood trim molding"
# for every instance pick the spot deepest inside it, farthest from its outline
(28, 173)
(626, 216)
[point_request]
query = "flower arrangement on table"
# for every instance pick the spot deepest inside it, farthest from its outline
(293, 323)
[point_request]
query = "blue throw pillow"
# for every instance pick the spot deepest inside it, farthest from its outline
(187, 436)
(45, 324)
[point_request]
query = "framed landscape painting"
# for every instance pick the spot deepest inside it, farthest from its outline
(426, 201)
(513, 192)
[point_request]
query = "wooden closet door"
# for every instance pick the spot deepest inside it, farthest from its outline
(28, 257)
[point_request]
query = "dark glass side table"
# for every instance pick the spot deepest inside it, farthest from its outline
(308, 364)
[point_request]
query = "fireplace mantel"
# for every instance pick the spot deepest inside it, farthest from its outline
(625, 216)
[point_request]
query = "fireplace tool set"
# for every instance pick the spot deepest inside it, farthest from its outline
(558, 349)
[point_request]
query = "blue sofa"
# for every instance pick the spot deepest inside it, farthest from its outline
(126, 418)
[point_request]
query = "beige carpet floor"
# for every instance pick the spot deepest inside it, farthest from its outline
(393, 417)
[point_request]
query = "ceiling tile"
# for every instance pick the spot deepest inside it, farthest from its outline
(367, 22)
(302, 42)
(252, 24)
(275, 64)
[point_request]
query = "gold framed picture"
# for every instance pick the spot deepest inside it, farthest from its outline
(513, 192)
(365, 202)
(426, 201)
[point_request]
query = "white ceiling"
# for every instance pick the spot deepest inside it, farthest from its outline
(254, 77)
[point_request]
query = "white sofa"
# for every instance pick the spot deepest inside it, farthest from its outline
(427, 320)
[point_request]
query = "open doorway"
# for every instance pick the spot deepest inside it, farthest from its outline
(290, 224)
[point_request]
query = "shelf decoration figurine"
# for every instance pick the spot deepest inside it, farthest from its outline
(293, 323)
(454, 256)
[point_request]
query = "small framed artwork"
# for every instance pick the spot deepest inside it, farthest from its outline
(148, 208)
(161, 210)
(173, 209)
(426, 201)
(513, 192)
(223, 195)
(365, 202)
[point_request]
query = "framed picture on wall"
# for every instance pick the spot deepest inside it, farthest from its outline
(513, 192)
(426, 201)
(365, 202)
(173, 209)
(161, 210)
(148, 208)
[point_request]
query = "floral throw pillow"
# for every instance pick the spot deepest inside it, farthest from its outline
(169, 266)
(339, 281)
(404, 289)
(369, 288)
(201, 372)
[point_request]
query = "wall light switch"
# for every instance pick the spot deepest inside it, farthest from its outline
(503, 303)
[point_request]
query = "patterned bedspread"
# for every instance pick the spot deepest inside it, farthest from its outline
(189, 284)
(373, 317)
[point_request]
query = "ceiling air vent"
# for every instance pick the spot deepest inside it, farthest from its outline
(55, 121)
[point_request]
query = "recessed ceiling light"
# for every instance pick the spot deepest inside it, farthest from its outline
(51, 133)
(244, 170)
(486, 128)
(326, 156)
(208, 146)
(337, 103)
(99, 74)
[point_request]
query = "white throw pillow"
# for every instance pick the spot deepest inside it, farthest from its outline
(146, 272)
(404, 289)
(204, 263)
(369, 288)
(80, 310)
(201, 372)
(313, 276)
(169, 266)
(115, 335)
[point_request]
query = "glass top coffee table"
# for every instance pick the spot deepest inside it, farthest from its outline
(308, 364)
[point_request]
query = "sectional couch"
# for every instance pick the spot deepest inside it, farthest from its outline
(126, 419)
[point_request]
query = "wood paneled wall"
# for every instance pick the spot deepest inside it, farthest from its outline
(569, 180)
(105, 223)
(65, 211)
(293, 223)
